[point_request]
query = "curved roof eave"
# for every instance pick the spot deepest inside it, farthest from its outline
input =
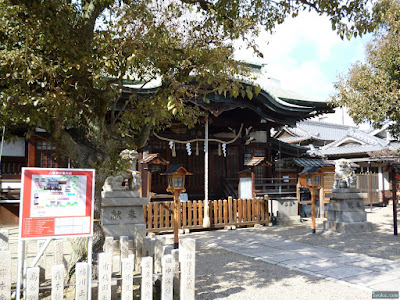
(265, 104)
(299, 112)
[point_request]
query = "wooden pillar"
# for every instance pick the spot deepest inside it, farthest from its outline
(312, 190)
(177, 218)
(394, 198)
(322, 198)
(266, 200)
(370, 185)
(383, 184)
(253, 183)
(31, 153)
(142, 175)
(148, 176)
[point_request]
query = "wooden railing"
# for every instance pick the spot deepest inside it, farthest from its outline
(230, 187)
(231, 212)
(11, 167)
(276, 188)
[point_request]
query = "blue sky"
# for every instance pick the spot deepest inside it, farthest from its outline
(307, 56)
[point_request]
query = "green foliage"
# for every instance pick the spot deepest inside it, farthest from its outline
(64, 64)
(371, 90)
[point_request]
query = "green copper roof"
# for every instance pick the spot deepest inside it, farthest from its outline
(277, 107)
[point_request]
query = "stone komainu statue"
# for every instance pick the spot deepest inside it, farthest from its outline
(128, 179)
(344, 175)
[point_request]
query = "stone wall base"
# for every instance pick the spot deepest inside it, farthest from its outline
(342, 227)
(131, 231)
(286, 221)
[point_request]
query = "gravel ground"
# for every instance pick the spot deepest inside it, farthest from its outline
(221, 274)
(379, 243)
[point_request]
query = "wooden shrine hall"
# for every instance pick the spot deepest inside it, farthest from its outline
(236, 130)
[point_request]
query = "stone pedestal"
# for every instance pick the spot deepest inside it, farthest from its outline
(122, 214)
(286, 211)
(346, 212)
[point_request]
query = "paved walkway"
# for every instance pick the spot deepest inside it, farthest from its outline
(357, 270)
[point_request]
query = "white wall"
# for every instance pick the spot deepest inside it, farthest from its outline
(16, 148)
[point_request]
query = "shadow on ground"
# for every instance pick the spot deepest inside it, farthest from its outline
(222, 274)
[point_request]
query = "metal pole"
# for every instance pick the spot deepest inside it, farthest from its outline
(21, 247)
(394, 197)
(40, 253)
(90, 253)
(206, 220)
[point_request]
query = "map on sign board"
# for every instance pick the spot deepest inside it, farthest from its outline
(63, 195)
(56, 202)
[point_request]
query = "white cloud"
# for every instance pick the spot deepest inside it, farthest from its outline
(305, 54)
(307, 28)
(306, 78)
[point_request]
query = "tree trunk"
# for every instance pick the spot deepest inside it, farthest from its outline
(79, 245)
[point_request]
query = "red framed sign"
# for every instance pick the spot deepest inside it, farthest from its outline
(56, 202)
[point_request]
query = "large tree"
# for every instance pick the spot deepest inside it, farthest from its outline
(371, 90)
(64, 63)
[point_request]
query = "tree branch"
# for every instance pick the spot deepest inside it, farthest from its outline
(205, 5)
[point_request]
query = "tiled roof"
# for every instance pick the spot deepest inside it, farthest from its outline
(291, 149)
(294, 139)
(392, 150)
(312, 162)
(324, 131)
(346, 140)
(172, 169)
(256, 161)
(309, 170)
(313, 130)
(364, 138)
(268, 105)
(338, 151)
(154, 158)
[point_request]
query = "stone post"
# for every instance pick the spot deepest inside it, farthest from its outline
(122, 206)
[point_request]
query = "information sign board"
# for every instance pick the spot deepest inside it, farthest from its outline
(246, 188)
(56, 202)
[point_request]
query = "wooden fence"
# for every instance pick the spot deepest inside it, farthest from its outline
(222, 213)
(369, 183)
(120, 273)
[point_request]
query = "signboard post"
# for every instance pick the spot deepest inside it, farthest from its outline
(55, 203)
